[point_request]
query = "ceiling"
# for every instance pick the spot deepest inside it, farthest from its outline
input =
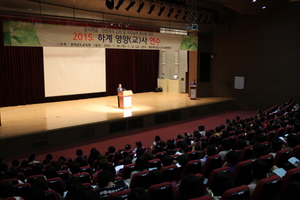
(197, 11)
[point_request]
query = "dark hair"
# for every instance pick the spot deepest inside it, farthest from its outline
(292, 140)
(191, 187)
(210, 150)
(15, 163)
(104, 177)
(111, 149)
(201, 128)
(157, 138)
(139, 144)
(141, 163)
(51, 172)
(79, 152)
(167, 160)
(31, 158)
(293, 191)
(225, 144)
(37, 169)
(276, 145)
(222, 182)
(127, 146)
(232, 157)
(259, 169)
(49, 156)
(259, 150)
(74, 167)
(183, 160)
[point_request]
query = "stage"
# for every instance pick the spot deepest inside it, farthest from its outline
(38, 126)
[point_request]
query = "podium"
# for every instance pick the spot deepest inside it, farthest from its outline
(125, 99)
(193, 92)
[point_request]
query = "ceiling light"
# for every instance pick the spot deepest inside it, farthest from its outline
(170, 12)
(140, 7)
(109, 4)
(130, 5)
(151, 8)
(119, 4)
(264, 7)
(161, 10)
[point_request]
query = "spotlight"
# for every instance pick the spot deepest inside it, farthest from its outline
(185, 15)
(151, 8)
(130, 5)
(109, 4)
(119, 4)
(140, 7)
(170, 12)
(178, 13)
(161, 10)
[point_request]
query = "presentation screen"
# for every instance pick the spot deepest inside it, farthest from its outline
(70, 71)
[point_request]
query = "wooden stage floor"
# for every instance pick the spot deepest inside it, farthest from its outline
(28, 119)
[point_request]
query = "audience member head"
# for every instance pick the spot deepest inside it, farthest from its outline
(49, 156)
(167, 160)
(139, 151)
(241, 143)
(218, 129)
(156, 177)
(37, 169)
(225, 145)
(259, 169)
(111, 149)
(210, 150)
(201, 128)
(139, 144)
(138, 193)
(41, 183)
(74, 167)
(15, 163)
(24, 163)
(82, 161)
(276, 145)
(31, 158)
(51, 172)
(232, 157)
(292, 140)
(7, 189)
(259, 150)
(183, 160)
(191, 187)
(127, 160)
(157, 138)
(127, 146)
(293, 191)
(104, 178)
(94, 153)
(223, 181)
(79, 152)
(141, 163)
(118, 156)
(71, 180)
(76, 191)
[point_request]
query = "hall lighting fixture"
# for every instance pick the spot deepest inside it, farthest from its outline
(140, 7)
(161, 10)
(151, 8)
(185, 15)
(119, 4)
(130, 5)
(109, 4)
(170, 12)
(178, 13)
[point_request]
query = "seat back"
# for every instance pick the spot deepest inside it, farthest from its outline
(155, 163)
(32, 178)
(51, 195)
(282, 157)
(26, 171)
(127, 169)
(122, 195)
(85, 177)
(192, 167)
(269, 159)
(23, 190)
(161, 191)
(206, 197)
(57, 185)
(267, 188)
(211, 163)
(86, 169)
(238, 193)
(296, 152)
(290, 176)
(193, 155)
(214, 173)
(242, 173)
(13, 181)
(247, 153)
(63, 174)
(140, 179)
(170, 173)
(160, 155)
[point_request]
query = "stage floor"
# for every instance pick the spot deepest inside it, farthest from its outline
(28, 119)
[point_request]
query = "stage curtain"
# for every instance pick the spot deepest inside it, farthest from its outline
(22, 71)
(136, 70)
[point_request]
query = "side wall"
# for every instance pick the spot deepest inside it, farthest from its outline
(266, 50)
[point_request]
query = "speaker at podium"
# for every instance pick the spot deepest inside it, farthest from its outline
(125, 99)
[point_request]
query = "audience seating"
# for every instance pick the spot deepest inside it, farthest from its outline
(296, 152)
(193, 155)
(86, 169)
(282, 157)
(57, 185)
(211, 163)
(14, 181)
(87, 186)
(290, 176)
(122, 195)
(269, 159)
(140, 179)
(242, 173)
(26, 171)
(170, 173)
(238, 193)
(161, 191)
(23, 190)
(127, 169)
(155, 163)
(267, 188)
(192, 167)
(63, 174)
(247, 153)
(51, 195)
(85, 177)
(31, 179)
(214, 173)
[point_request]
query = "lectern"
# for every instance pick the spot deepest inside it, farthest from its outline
(193, 91)
(125, 99)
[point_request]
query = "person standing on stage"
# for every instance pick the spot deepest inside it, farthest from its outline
(120, 89)
(193, 83)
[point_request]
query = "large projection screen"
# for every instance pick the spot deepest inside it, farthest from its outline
(69, 71)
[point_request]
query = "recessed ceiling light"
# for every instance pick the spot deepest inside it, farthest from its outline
(264, 7)
(253, 1)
